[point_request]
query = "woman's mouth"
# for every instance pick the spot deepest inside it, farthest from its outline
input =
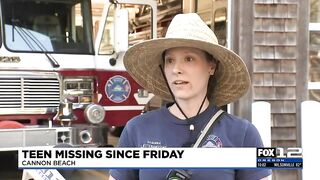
(180, 82)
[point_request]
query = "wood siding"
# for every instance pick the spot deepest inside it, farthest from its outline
(274, 69)
(277, 62)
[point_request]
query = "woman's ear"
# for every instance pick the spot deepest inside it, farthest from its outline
(212, 68)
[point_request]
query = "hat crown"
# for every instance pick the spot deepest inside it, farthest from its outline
(190, 26)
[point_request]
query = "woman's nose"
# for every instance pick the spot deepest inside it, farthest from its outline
(177, 68)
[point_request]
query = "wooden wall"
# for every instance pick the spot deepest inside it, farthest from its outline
(272, 37)
(275, 65)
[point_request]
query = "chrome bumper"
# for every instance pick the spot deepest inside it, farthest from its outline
(75, 135)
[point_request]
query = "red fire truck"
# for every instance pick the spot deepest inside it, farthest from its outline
(57, 85)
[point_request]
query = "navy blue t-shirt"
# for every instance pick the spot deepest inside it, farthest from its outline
(159, 128)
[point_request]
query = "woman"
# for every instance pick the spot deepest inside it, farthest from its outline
(190, 69)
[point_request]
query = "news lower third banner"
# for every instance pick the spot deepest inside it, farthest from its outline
(97, 158)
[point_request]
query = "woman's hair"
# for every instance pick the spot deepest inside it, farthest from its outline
(212, 81)
(210, 58)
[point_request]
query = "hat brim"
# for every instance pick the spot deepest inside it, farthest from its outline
(231, 80)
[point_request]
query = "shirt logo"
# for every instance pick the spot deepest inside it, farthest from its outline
(212, 141)
(153, 144)
(118, 89)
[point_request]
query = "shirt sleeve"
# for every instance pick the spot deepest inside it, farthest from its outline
(252, 138)
(125, 174)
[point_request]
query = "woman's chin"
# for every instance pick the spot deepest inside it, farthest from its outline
(183, 96)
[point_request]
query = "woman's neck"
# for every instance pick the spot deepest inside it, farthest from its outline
(189, 109)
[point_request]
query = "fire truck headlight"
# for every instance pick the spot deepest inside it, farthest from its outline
(78, 90)
(94, 113)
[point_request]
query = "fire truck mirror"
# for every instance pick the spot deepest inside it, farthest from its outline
(121, 29)
(112, 61)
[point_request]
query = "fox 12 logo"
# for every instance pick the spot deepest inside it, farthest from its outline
(279, 157)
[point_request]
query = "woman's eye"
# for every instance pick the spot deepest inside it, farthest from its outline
(168, 60)
(189, 58)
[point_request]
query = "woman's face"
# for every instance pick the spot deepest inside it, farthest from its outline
(188, 72)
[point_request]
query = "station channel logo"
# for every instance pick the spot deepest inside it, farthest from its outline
(278, 157)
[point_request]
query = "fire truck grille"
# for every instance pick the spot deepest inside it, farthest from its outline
(29, 92)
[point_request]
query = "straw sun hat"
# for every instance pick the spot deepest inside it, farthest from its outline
(231, 80)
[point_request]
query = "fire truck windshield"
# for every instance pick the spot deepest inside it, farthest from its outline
(54, 26)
